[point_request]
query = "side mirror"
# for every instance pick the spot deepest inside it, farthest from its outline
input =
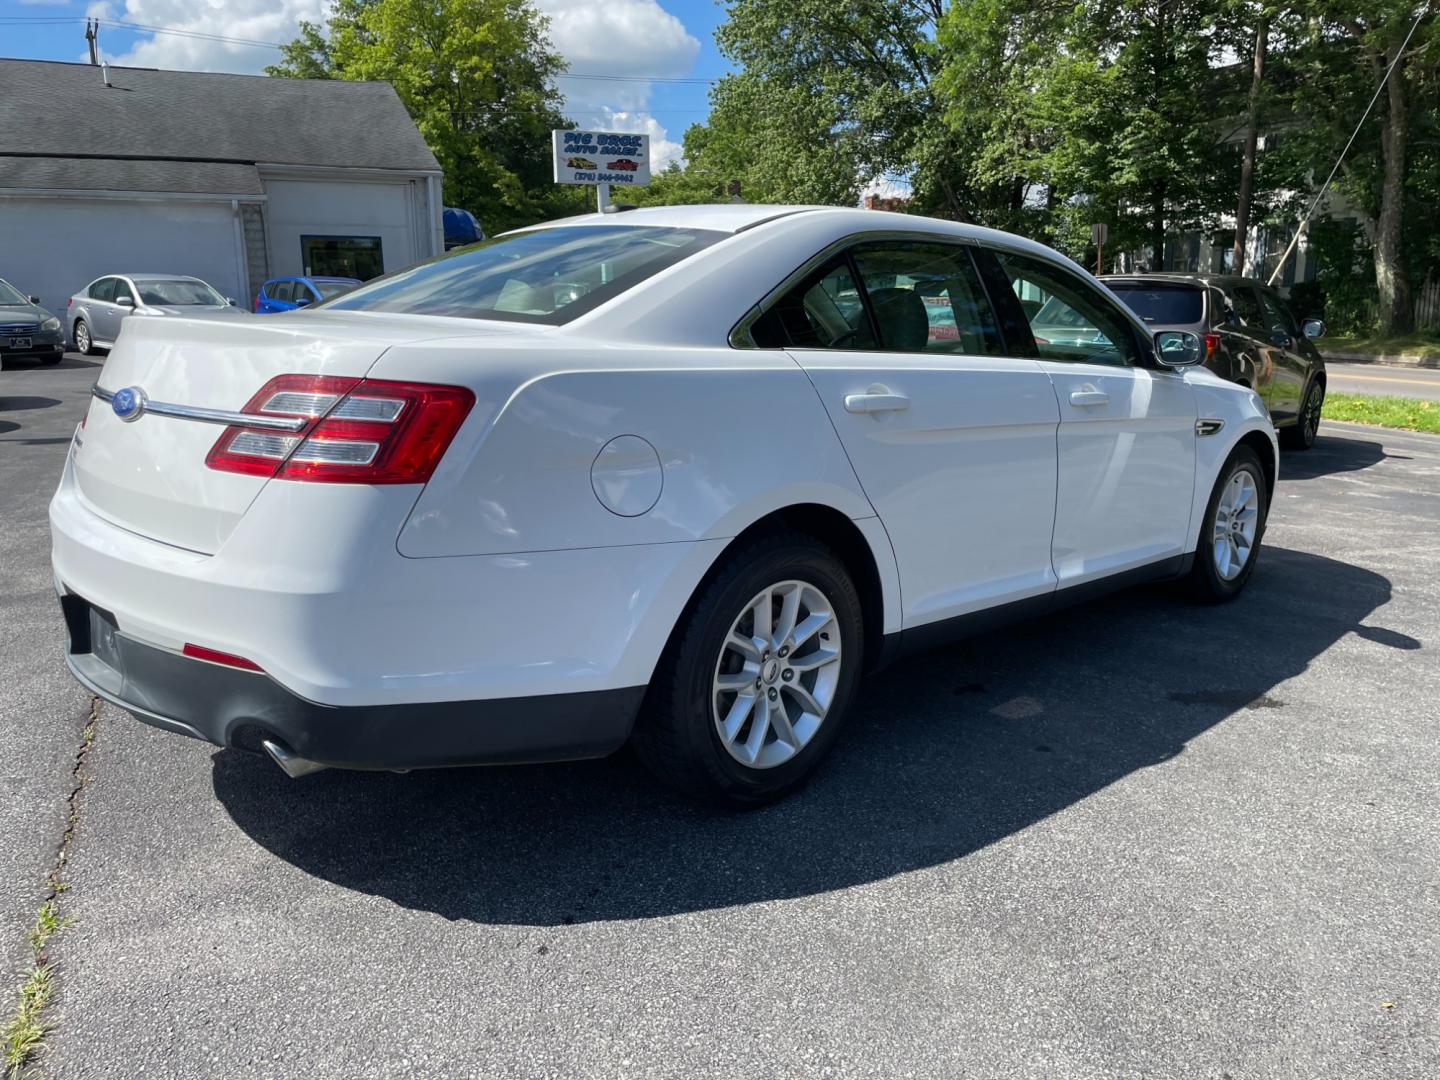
(1178, 349)
(302, 301)
(1312, 328)
(125, 301)
(35, 300)
(229, 301)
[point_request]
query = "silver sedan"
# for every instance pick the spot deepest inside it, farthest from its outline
(95, 313)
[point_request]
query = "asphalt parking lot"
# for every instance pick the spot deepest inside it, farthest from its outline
(1141, 838)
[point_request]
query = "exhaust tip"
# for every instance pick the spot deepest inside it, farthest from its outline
(294, 766)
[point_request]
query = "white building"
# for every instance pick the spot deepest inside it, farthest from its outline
(230, 178)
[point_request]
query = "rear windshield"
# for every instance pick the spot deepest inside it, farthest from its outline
(331, 289)
(1161, 304)
(544, 276)
(178, 293)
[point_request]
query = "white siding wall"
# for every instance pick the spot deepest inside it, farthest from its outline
(52, 247)
(394, 210)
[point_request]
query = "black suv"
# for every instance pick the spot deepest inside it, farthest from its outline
(1251, 336)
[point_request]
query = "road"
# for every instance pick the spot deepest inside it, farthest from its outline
(1139, 838)
(1385, 381)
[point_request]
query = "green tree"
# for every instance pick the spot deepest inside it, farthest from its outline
(477, 77)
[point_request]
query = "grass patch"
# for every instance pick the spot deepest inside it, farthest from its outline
(1422, 344)
(1409, 414)
(28, 1024)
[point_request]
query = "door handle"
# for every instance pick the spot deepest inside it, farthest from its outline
(876, 400)
(1089, 397)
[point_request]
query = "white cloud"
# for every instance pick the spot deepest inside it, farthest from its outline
(619, 37)
(254, 20)
(596, 37)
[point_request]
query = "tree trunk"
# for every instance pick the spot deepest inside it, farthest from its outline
(1157, 226)
(1396, 316)
(1252, 134)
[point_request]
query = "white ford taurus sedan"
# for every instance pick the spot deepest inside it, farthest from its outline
(676, 475)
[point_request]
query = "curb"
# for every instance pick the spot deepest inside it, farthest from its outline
(1400, 360)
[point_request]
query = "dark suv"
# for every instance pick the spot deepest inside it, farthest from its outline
(1251, 337)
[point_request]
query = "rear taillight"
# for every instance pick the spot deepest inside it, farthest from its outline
(256, 308)
(1212, 346)
(355, 431)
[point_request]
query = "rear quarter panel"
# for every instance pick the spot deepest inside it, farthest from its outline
(738, 435)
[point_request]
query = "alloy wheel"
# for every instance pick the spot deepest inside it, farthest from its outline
(82, 337)
(1237, 519)
(777, 674)
(1314, 401)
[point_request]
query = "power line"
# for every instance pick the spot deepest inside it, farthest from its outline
(1363, 117)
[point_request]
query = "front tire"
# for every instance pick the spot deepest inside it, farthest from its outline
(84, 343)
(1301, 435)
(1232, 529)
(758, 675)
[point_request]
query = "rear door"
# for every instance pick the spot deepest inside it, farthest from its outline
(1250, 332)
(953, 441)
(104, 315)
(1126, 442)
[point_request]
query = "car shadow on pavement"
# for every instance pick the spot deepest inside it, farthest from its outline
(18, 403)
(946, 753)
(1331, 455)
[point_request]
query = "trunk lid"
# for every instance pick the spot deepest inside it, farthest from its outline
(148, 475)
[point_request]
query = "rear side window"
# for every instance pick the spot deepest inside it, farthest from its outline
(1247, 308)
(1162, 305)
(104, 289)
(894, 296)
(544, 276)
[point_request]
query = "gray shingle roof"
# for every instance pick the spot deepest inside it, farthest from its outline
(119, 174)
(62, 110)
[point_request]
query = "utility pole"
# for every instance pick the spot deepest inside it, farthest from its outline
(1252, 136)
(92, 35)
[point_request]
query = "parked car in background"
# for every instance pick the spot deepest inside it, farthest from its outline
(461, 227)
(683, 473)
(289, 293)
(1251, 336)
(27, 329)
(96, 312)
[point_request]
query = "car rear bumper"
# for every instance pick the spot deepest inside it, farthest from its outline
(231, 707)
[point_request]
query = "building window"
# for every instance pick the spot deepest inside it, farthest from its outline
(342, 256)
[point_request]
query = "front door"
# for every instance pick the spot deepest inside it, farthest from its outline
(952, 440)
(1127, 431)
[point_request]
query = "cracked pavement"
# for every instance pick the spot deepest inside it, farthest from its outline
(1139, 838)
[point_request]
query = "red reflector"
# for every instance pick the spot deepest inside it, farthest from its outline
(356, 431)
(215, 656)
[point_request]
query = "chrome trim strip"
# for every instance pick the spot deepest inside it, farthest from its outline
(213, 416)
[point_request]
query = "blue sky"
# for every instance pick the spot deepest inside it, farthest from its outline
(622, 40)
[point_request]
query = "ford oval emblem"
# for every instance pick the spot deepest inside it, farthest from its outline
(128, 403)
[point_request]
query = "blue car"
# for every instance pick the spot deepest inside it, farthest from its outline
(289, 293)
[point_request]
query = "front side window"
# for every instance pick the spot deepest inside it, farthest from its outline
(542, 276)
(1069, 320)
(283, 291)
(1278, 315)
(330, 289)
(178, 292)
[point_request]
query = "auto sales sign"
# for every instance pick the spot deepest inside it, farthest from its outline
(601, 157)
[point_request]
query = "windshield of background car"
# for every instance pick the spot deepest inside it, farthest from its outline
(178, 293)
(544, 276)
(331, 289)
(11, 296)
(1162, 304)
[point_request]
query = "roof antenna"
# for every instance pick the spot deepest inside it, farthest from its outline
(92, 32)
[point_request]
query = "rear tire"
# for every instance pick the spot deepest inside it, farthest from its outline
(1301, 434)
(741, 713)
(84, 343)
(1231, 531)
